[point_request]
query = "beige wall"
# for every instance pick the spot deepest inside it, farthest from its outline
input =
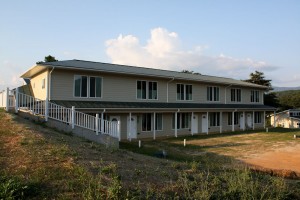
(283, 120)
(167, 125)
(36, 84)
(123, 88)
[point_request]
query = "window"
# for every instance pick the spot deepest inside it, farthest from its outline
(214, 119)
(152, 90)
(236, 95)
(146, 90)
(257, 117)
(141, 89)
(236, 118)
(184, 92)
(158, 121)
(95, 86)
(146, 122)
(213, 94)
(81, 84)
(43, 83)
(183, 120)
(254, 96)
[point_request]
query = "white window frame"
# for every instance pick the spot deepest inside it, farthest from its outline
(212, 92)
(88, 86)
(180, 120)
(147, 90)
(236, 118)
(216, 116)
(89, 81)
(237, 97)
(257, 117)
(184, 92)
(162, 121)
(151, 122)
(254, 96)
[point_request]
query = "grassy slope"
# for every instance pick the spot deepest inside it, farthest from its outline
(37, 163)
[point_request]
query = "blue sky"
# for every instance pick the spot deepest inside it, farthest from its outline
(221, 38)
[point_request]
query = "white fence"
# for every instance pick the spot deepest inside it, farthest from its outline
(7, 99)
(19, 101)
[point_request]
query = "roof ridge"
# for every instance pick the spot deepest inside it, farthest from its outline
(150, 68)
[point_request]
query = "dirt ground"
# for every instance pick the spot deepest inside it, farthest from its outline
(283, 161)
(276, 154)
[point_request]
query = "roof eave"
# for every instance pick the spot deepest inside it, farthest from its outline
(154, 75)
(34, 70)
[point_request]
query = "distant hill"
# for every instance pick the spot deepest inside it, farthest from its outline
(279, 89)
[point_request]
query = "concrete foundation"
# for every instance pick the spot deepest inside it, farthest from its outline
(108, 141)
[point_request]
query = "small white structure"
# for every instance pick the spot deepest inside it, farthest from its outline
(287, 119)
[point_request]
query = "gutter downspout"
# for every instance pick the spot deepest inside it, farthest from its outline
(226, 93)
(49, 84)
(168, 88)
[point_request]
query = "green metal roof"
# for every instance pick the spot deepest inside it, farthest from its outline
(131, 70)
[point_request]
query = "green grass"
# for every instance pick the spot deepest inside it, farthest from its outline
(52, 166)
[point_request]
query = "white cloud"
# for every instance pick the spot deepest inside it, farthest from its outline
(163, 50)
(10, 75)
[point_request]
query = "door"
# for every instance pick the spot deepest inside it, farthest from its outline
(242, 121)
(116, 119)
(249, 120)
(195, 124)
(204, 124)
(132, 134)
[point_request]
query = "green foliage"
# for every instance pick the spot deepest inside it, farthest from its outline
(289, 99)
(48, 59)
(259, 79)
(190, 72)
(271, 99)
(13, 188)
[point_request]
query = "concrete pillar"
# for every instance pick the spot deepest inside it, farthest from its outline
(264, 119)
(102, 123)
(233, 121)
(192, 123)
(221, 122)
(97, 123)
(253, 120)
(17, 100)
(73, 117)
(244, 117)
(175, 124)
(46, 109)
(129, 134)
(274, 124)
(207, 123)
(7, 99)
(154, 124)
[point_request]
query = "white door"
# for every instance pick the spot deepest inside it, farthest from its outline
(116, 119)
(132, 134)
(195, 124)
(249, 120)
(242, 121)
(204, 124)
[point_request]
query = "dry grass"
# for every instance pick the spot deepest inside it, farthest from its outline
(41, 163)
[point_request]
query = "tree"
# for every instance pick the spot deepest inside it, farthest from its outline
(259, 78)
(50, 59)
(190, 72)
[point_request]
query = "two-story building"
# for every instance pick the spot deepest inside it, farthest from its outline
(287, 119)
(148, 102)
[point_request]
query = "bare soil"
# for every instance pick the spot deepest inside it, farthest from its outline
(262, 152)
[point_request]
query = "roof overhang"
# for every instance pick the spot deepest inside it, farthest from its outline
(144, 106)
(34, 70)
